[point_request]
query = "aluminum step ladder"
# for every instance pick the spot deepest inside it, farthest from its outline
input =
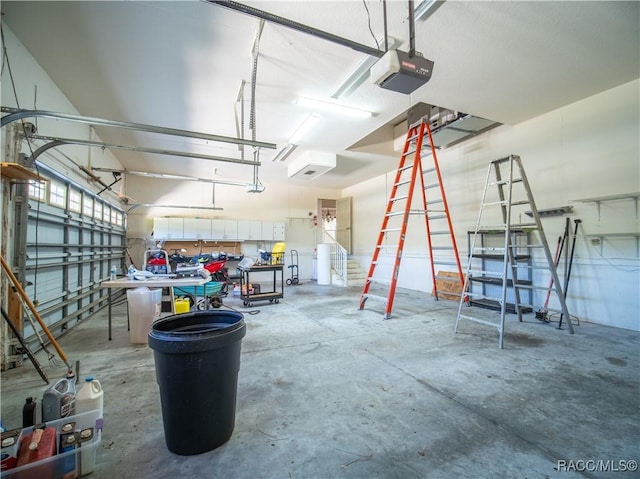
(513, 193)
(441, 240)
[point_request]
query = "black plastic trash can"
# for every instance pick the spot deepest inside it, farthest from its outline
(197, 358)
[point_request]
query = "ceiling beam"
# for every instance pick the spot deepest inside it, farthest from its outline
(140, 149)
(15, 114)
(285, 22)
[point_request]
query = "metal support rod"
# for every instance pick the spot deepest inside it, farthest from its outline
(142, 149)
(270, 17)
(165, 176)
(384, 19)
(15, 114)
(412, 31)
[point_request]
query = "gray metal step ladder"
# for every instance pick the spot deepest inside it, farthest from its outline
(441, 240)
(513, 198)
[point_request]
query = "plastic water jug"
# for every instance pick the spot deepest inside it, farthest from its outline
(144, 308)
(89, 398)
(58, 400)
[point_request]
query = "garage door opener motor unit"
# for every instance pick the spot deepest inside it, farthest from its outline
(401, 72)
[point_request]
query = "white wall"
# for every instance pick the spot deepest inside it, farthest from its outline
(291, 204)
(35, 90)
(584, 150)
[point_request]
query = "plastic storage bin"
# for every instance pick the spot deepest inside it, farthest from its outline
(86, 430)
(144, 308)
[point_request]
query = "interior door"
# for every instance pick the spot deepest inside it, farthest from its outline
(343, 222)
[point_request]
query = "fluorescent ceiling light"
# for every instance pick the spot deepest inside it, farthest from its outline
(333, 107)
(284, 152)
(361, 72)
(304, 128)
(426, 8)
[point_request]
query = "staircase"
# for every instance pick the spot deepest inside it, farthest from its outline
(356, 274)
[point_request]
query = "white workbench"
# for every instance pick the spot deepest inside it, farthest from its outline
(153, 282)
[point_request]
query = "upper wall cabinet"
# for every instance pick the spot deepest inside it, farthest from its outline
(249, 230)
(218, 229)
(272, 231)
(168, 228)
(197, 228)
(224, 230)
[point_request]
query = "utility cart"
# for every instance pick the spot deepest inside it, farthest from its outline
(294, 268)
(277, 292)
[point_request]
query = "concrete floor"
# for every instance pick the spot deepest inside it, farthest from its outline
(327, 391)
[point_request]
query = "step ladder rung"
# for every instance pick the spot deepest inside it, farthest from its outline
(399, 198)
(495, 203)
(480, 320)
(444, 263)
(431, 186)
(384, 282)
(436, 217)
(471, 294)
(524, 225)
(504, 182)
(493, 274)
(374, 296)
(434, 202)
(391, 214)
(440, 232)
(391, 230)
(428, 170)
(442, 248)
(409, 153)
(402, 183)
(517, 203)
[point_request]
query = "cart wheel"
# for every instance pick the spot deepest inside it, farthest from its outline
(277, 300)
(295, 280)
(202, 305)
(216, 302)
(271, 300)
(244, 303)
(250, 304)
(289, 282)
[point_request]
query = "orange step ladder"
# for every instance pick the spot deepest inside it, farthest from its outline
(418, 146)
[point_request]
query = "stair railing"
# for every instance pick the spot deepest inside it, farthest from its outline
(338, 255)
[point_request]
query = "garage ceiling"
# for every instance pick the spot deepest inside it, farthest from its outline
(181, 65)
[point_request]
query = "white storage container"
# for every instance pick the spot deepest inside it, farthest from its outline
(86, 427)
(144, 308)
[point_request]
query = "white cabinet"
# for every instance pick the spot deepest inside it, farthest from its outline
(230, 229)
(278, 231)
(224, 230)
(197, 228)
(168, 228)
(272, 231)
(249, 230)
(218, 229)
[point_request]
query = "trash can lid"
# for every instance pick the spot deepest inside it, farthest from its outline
(196, 331)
